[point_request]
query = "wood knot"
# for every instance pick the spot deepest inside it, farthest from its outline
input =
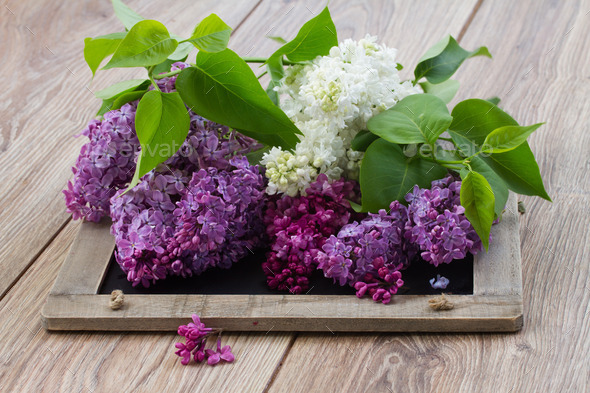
(440, 303)
(117, 299)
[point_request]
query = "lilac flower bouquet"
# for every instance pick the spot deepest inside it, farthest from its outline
(340, 165)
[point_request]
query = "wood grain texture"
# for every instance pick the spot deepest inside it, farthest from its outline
(540, 70)
(73, 303)
(548, 355)
(33, 360)
(47, 99)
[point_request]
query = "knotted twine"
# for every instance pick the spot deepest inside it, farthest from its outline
(117, 299)
(440, 303)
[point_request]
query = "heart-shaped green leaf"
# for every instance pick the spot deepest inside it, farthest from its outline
(507, 138)
(126, 14)
(276, 71)
(223, 88)
(211, 34)
(182, 50)
(445, 90)
(120, 88)
(127, 97)
(315, 38)
(97, 49)
(363, 140)
(162, 123)
(494, 100)
(441, 61)
(419, 118)
(474, 119)
(479, 165)
(387, 174)
(478, 200)
(147, 43)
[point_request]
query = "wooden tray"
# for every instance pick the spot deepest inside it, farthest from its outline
(495, 306)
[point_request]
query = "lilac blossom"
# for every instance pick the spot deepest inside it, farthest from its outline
(440, 282)
(213, 220)
(195, 334)
(369, 254)
(298, 227)
(437, 222)
(105, 164)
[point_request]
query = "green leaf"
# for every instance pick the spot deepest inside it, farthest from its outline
(445, 90)
(478, 200)
(182, 51)
(419, 118)
(126, 14)
(127, 97)
(165, 65)
(499, 187)
(363, 140)
(494, 100)
(120, 88)
(508, 138)
(519, 169)
(211, 34)
(280, 40)
(387, 175)
(254, 157)
(97, 49)
(475, 119)
(117, 95)
(162, 124)
(106, 106)
(315, 38)
(148, 43)
(223, 88)
(441, 61)
(276, 72)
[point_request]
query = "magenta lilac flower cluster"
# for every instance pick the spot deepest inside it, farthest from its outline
(369, 254)
(196, 334)
(298, 228)
(105, 164)
(437, 222)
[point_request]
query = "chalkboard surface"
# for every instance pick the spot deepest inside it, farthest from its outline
(246, 277)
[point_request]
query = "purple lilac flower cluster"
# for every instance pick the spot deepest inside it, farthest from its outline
(437, 222)
(105, 164)
(168, 225)
(196, 334)
(298, 228)
(369, 254)
(219, 217)
(205, 192)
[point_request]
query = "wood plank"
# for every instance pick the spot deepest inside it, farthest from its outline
(284, 313)
(46, 102)
(550, 353)
(492, 273)
(33, 359)
(94, 245)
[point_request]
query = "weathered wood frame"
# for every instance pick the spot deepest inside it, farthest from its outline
(495, 306)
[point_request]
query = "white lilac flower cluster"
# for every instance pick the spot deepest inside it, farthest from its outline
(330, 100)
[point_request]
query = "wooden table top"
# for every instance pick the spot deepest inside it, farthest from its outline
(540, 70)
